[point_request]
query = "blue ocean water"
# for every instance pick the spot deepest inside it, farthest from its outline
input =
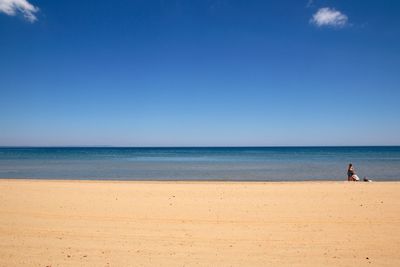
(206, 163)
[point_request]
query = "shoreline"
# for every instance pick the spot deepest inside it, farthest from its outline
(195, 181)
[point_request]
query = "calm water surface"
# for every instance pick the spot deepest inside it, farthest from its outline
(231, 163)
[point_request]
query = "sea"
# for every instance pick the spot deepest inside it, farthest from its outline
(379, 163)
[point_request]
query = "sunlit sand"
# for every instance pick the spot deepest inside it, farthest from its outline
(99, 223)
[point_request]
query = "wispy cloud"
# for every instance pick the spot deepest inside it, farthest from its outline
(12, 7)
(327, 16)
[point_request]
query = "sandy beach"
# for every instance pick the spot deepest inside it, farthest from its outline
(99, 223)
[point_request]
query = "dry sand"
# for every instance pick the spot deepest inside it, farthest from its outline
(92, 223)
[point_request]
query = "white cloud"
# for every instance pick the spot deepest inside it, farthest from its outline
(329, 17)
(12, 7)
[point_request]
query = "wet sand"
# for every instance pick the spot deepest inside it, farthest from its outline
(99, 223)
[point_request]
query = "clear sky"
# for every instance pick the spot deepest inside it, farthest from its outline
(199, 73)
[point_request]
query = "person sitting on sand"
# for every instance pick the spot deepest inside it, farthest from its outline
(351, 174)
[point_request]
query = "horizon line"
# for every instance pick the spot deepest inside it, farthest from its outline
(252, 146)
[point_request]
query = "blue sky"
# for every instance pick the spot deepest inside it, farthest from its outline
(199, 73)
